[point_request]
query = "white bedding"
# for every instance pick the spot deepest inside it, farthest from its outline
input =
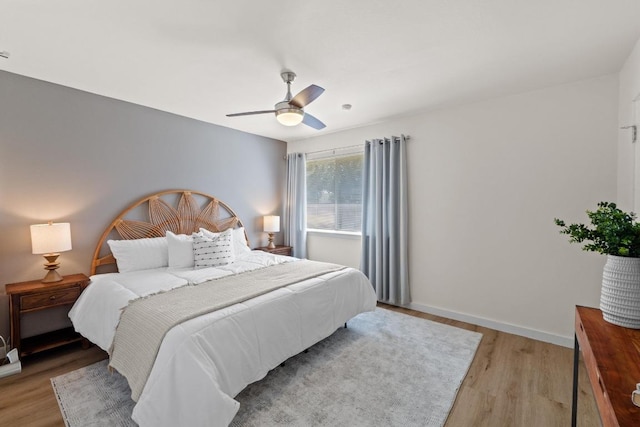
(203, 363)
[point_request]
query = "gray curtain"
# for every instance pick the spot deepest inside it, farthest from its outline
(384, 219)
(295, 204)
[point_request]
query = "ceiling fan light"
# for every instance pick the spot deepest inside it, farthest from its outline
(290, 116)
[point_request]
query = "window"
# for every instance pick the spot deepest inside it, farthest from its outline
(334, 192)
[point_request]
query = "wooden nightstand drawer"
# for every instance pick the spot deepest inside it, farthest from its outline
(278, 250)
(50, 299)
(285, 250)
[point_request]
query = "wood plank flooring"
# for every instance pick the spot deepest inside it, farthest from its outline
(517, 381)
(513, 381)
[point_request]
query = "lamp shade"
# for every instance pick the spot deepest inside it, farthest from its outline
(50, 238)
(271, 223)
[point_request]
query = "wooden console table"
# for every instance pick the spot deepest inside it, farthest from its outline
(612, 357)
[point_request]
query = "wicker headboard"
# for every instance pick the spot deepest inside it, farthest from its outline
(188, 216)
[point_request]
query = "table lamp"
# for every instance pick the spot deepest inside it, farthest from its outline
(271, 226)
(51, 239)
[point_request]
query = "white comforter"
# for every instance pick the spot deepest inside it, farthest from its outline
(203, 363)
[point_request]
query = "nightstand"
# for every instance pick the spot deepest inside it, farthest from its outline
(27, 297)
(278, 250)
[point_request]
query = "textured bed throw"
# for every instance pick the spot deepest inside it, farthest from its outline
(134, 348)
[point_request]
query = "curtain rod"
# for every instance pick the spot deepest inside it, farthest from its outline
(335, 149)
(406, 137)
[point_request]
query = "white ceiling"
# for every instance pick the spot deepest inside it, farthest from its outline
(207, 58)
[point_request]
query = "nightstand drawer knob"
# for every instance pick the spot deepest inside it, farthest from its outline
(52, 297)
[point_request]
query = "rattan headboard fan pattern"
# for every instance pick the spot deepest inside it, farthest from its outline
(186, 218)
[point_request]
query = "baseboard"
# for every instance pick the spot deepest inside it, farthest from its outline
(499, 326)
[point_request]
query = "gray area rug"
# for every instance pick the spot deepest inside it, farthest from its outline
(91, 396)
(385, 369)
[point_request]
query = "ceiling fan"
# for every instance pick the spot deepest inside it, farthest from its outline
(290, 112)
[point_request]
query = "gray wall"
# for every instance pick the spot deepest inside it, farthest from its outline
(71, 156)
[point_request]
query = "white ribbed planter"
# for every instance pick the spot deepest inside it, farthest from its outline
(620, 295)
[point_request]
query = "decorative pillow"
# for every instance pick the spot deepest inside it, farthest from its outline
(180, 250)
(209, 234)
(239, 241)
(140, 254)
(213, 251)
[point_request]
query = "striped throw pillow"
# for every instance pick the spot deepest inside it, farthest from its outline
(212, 251)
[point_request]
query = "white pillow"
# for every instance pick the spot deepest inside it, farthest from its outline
(239, 241)
(180, 250)
(140, 254)
(213, 251)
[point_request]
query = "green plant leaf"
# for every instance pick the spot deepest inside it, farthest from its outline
(612, 231)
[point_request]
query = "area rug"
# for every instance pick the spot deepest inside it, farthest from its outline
(385, 369)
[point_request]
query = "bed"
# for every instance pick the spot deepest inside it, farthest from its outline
(203, 360)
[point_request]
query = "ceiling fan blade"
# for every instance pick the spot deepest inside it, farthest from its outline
(250, 113)
(309, 120)
(306, 96)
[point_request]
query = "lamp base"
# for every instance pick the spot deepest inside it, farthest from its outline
(271, 245)
(52, 276)
(52, 265)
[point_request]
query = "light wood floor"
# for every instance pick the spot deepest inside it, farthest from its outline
(513, 381)
(516, 381)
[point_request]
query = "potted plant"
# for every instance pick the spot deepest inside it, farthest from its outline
(616, 234)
